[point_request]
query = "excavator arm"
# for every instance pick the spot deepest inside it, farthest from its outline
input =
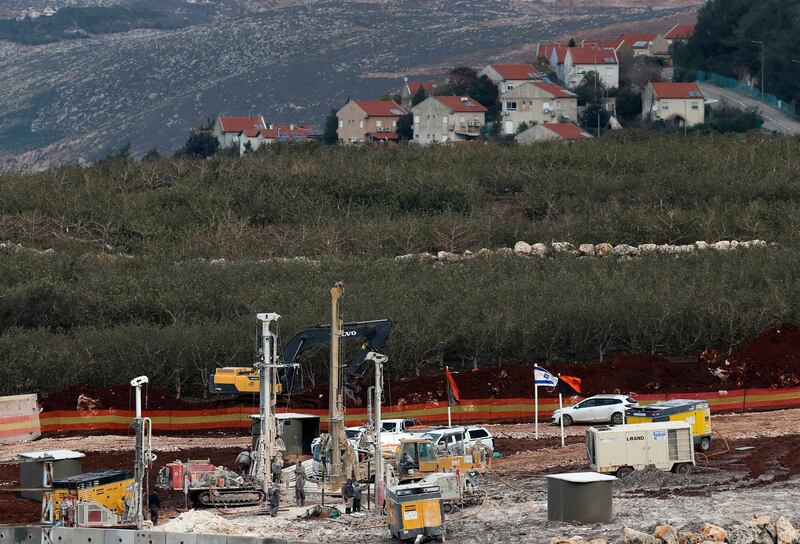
(369, 335)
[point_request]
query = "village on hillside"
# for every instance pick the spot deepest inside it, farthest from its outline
(575, 90)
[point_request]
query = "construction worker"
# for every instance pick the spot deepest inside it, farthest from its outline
(277, 468)
(243, 462)
(347, 496)
(299, 484)
(357, 489)
(406, 463)
(274, 497)
(154, 504)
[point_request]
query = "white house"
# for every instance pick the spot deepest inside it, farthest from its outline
(447, 119)
(578, 61)
(680, 103)
(508, 76)
(537, 102)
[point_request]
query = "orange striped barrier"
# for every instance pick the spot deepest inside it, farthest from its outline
(19, 418)
(519, 410)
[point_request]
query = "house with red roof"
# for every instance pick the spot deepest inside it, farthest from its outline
(645, 44)
(679, 32)
(682, 104)
(545, 49)
(448, 119)
(288, 133)
(578, 61)
(508, 76)
(410, 89)
(552, 131)
(237, 130)
(537, 102)
(369, 121)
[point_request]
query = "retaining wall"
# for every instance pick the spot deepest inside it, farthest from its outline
(469, 411)
(19, 418)
(31, 534)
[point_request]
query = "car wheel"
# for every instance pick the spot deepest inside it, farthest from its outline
(567, 420)
(617, 419)
(682, 468)
(705, 443)
(624, 471)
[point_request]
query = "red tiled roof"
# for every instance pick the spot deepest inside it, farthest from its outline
(612, 43)
(568, 131)
(631, 39)
(554, 89)
(415, 86)
(544, 49)
(239, 123)
(593, 55)
(381, 108)
(677, 90)
(289, 131)
(516, 71)
(680, 32)
(461, 103)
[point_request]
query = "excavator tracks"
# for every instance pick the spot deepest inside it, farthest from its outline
(228, 497)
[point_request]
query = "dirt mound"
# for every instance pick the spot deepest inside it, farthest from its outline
(652, 478)
(772, 359)
(88, 397)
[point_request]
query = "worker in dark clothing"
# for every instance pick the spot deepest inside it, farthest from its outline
(299, 484)
(274, 497)
(357, 489)
(347, 496)
(154, 503)
(243, 462)
(277, 467)
(406, 464)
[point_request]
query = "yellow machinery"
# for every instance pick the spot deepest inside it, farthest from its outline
(694, 412)
(415, 458)
(236, 380)
(415, 510)
(107, 489)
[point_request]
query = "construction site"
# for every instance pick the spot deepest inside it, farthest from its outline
(671, 451)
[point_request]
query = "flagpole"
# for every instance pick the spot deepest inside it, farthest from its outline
(561, 416)
(535, 406)
(449, 394)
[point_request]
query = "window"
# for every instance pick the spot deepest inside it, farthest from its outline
(695, 106)
(546, 107)
(394, 123)
(361, 124)
(477, 433)
(416, 119)
(462, 120)
(378, 124)
(341, 123)
(511, 105)
(445, 120)
(609, 71)
(426, 452)
(509, 87)
(665, 105)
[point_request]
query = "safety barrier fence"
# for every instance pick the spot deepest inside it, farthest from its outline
(19, 418)
(486, 411)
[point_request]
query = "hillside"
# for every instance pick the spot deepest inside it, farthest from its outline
(159, 268)
(77, 99)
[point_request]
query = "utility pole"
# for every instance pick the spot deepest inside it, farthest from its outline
(266, 430)
(335, 404)
(761, 43)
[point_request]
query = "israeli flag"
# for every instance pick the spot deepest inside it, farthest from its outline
(543, 378)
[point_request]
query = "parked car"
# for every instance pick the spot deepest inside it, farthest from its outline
(456, 440)
(596, 409)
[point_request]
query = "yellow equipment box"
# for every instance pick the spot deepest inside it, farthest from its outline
(415, 510)
(107, 488)
(694, 412)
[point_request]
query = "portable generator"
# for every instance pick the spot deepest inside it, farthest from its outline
(415, 510)
(95, 492)
(694, 412)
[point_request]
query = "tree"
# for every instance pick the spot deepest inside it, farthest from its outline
(151, 155)
(643, 70)
(200, 144)
(329, 134)
(571, 42)
(629, 105)
(122, 151)
(589, 119)
(590, 87)
(419, 96)
(405, 127)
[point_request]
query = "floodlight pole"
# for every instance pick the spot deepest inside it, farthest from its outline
(761, 43)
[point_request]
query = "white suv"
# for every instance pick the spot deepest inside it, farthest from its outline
(597, 409)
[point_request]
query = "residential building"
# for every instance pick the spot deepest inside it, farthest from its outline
(679, 103)
(578, 61)
(289, 133)
(447, 119)
(679, 32)
(651, 45)
(558, 54)
(508, 76)
(545, 49)
(552, 131)
(368, 121)
(410, 90)
(537, 102)
(237, 130)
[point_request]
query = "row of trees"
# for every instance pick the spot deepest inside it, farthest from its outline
(338, 201)
(68, 320)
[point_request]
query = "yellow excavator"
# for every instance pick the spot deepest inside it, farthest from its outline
(415, 458)
(370, 335)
